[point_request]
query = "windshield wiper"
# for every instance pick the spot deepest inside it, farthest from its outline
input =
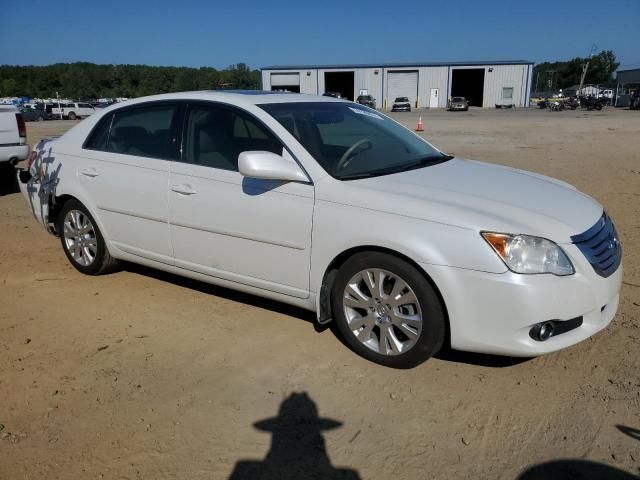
(422, 162)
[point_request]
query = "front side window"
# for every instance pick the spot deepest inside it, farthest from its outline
(216, 135)
(350, 141)
(507, 93)
(144, 132)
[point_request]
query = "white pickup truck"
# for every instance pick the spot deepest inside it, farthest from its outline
(72, 110)
(13, 135)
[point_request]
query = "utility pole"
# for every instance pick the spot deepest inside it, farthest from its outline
(586, 67)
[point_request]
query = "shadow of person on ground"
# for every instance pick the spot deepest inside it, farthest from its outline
(8, 179)
(575, 470)
(298, 449)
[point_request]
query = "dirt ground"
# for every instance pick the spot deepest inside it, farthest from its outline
(144, 375)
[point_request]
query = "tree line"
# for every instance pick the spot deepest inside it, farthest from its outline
(82, 80)
(556, 75)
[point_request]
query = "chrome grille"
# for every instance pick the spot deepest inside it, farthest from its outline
(600, 245)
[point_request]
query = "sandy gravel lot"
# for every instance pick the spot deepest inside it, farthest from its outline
(144, 375)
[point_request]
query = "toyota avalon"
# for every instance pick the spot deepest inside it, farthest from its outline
(331, 206)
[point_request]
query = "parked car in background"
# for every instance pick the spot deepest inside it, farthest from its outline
(367, 100)
(13, 135)
(72, 111)
(634, 100)
(457, 103)
(34, 115)
(332, 94)
(401, 104)
(48, 109)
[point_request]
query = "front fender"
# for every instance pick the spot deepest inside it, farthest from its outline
(338, 228)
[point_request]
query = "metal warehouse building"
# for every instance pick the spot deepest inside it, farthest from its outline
(484, 84)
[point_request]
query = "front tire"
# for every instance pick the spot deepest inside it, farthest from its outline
(387, 311)
(82, 241)
(71, 116)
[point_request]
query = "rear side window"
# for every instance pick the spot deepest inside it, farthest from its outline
(144, 132)
(98, 138)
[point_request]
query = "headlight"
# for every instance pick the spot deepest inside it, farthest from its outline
(527, 254)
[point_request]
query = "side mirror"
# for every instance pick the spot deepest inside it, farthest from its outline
(270, 166)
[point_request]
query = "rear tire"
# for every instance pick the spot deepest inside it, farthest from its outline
(82, 241)
(71, 116)
(387, 311)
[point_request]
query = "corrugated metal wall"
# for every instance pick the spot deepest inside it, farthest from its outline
(517, 77)
(433, 77)
(509, 76)
(368, 79)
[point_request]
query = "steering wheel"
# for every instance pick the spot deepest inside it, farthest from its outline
(345, 158)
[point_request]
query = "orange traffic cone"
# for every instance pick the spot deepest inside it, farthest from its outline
(420, 127)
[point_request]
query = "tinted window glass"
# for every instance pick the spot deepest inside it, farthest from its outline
(144, 132)
(99, 136)
(215, 136)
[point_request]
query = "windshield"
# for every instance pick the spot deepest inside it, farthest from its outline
(402, 99)
(457, 99)
(351, 141)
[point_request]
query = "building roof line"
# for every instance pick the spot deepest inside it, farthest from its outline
(399, 65)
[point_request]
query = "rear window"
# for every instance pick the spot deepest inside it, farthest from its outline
(402, 99)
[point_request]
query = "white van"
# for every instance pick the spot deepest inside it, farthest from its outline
(13, 135)
(73, 110)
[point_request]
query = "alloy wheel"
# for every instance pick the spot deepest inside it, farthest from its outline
(382, 311)
(80, 237)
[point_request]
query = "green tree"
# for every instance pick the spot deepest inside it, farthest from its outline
(84, 80)
(555, 75)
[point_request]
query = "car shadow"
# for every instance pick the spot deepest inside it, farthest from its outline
(580, 469)
(574, 469)
(630, 432)
(479, 359)
(446, 354)
(8, 179)
(298, 449)
(223, 292)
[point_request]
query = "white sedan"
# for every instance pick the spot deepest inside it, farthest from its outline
(336, 208)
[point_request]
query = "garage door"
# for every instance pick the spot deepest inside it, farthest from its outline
(402, 84)
(285, 79)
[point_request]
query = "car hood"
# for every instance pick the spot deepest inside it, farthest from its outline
(479, 196)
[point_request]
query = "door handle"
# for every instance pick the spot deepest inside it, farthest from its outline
(183, 189)
(89, 172)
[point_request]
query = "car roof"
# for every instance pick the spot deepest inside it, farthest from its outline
(236, 97)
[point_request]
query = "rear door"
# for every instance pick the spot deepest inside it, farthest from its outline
(126, 174)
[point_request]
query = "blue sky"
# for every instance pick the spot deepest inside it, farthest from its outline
(220, 33)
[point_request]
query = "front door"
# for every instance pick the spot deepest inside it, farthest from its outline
(250, 231)
(433, 98)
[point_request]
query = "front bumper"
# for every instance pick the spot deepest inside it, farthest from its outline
(401, 108)
(494, 313)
